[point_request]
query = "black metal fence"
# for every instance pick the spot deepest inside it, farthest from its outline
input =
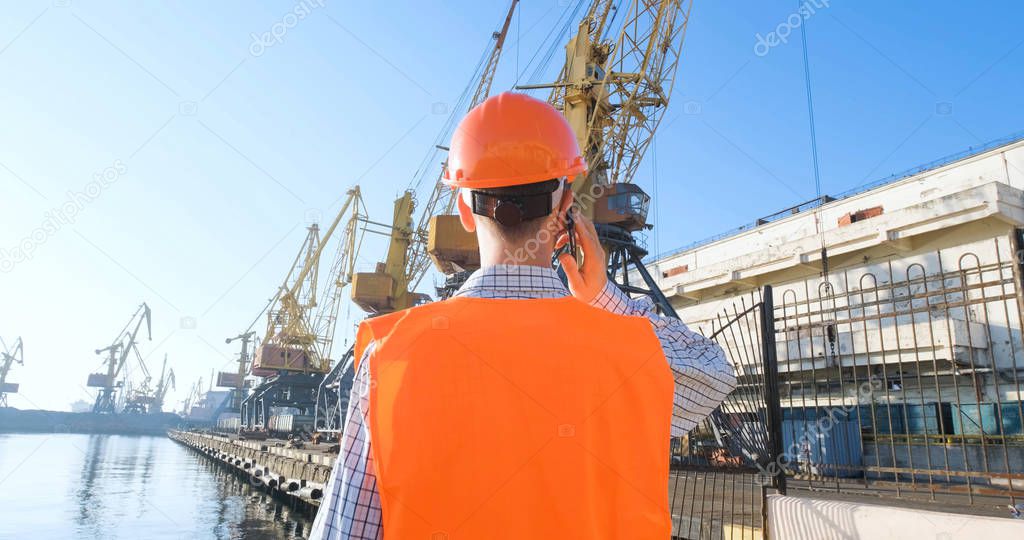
(723, 467)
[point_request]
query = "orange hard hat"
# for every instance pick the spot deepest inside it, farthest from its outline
(509, 140)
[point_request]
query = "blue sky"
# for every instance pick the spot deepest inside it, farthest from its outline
(215, 158)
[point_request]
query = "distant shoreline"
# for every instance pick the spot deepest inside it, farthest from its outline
(40, 421)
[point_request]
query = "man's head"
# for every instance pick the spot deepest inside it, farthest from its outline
(512, 159)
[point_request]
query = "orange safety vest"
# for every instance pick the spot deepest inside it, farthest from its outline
(494, 418)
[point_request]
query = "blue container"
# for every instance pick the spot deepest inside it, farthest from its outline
(883, 419)
(1011, 418)
(827, 448)
(923, 419)
(986, 418)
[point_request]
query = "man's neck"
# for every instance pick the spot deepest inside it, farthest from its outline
(518, 256)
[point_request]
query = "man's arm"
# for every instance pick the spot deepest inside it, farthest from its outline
(351, 504)
(703, 375)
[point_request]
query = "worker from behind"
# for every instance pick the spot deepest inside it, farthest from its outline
(519, 408)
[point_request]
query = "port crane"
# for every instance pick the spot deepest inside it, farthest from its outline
(11, 356)
(236, 381)
(194, 394)
(295, 353)
(117, 355)
(165, 383)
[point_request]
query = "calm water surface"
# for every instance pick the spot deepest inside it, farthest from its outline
(113, 486)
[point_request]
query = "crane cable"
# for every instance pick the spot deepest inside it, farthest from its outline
(830, 330)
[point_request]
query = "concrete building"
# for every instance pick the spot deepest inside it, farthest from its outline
(899, 306)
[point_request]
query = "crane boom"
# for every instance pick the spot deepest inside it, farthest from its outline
(15, 354)
(441, 200)
(392, 286)
(300, 329)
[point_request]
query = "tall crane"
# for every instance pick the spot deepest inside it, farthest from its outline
(10, 356)
(614, 93)
(166, 381)
(117, 355)
(391, 287)
(236, 381)
(296, 350)
(301, 319)
(194, 394)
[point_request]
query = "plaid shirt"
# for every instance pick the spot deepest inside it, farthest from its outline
(351, 504)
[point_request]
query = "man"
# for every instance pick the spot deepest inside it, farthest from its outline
(519, 408)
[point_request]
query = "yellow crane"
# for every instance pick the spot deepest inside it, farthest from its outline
(117, 355)
(9, 357)
(301, 318)
(391, 286)
(295, 355)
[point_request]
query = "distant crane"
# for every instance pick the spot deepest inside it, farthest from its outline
(166, 381)
(117, 355)
(11, 356)
(194, 394)
(237, 380)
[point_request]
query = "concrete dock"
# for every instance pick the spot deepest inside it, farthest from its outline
(298, 475)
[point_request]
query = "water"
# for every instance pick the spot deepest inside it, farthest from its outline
(113, 486)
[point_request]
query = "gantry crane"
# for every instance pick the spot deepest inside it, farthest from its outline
(614, 94)
(166, 382)
(11, 356)
(237, 380)
(392, 286)
(295, 354)
(117, 354)
(194, 394)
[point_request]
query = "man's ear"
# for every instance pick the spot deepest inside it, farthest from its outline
(465, 212)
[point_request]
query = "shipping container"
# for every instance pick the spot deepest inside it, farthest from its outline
(882, 419)
(290, 423)
(824, 441)
(986, 418)
(229, 422)
(924, 419)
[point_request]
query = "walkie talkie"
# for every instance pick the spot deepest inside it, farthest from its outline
(570, 246)
(570, 229)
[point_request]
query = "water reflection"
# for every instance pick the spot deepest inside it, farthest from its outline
(109, 486)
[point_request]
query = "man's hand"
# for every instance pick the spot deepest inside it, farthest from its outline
(586, 282)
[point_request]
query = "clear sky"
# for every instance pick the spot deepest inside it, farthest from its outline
(213, 151)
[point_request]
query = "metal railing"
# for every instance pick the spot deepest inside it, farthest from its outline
(899, 380)
(907, 382)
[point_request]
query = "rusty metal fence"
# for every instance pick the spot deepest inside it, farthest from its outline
(903, 379)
